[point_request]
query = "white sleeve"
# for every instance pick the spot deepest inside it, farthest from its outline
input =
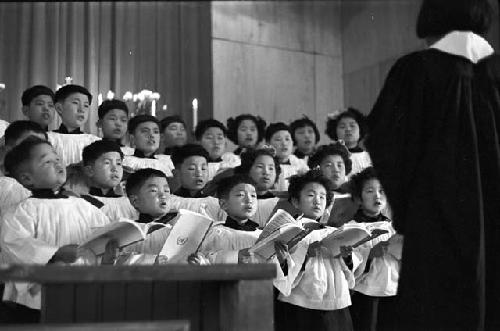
(11, 194)
(295, 260)
(212, 247)
(18, 239)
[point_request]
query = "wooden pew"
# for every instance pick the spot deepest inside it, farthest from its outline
(215, 297)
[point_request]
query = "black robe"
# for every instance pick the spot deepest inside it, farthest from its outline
(434, 142)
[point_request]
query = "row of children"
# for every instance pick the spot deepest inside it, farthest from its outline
(54, 211)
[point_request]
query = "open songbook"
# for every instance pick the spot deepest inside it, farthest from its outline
(124, 232)
(185, 238)
(282, 227)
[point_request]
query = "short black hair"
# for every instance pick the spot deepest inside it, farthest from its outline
(93, 151)
(250, 155)
(180, 153)
(108, 105)
(17, 128)
(134, 122)
(302, 123)
(234, 123)
(226, 184)
(20, 155)
(439, 17)
(69, 89)
(359, 180)
(275, 127)
(34, 91)
(298, 182)
(331, 124)
(331, 149)
(76, 175)
(136, 180)
(204, 125)
(165, 122)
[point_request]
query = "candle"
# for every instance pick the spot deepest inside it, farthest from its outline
(99, 99)
(128, 96)
(195, 113)
(110, 95)
(153, 108)
(68, 80)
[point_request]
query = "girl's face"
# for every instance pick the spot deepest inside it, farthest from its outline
(312, 200)
(283, 143)
(263, 172)
(348, 131)
(247, 134)
(306, 139)
(373, 199)
(333, 168)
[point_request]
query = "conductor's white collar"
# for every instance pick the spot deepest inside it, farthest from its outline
(466, 44)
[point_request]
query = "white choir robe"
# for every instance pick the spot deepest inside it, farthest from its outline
(210, 205)
(126, 150)
(160, 162)
(36, 229)
(381, 279)
(229, 160)
(325, 282)
(118, 207)
(296, 166)
(11, 193)
(70, 146)
(222, 243)
(153, 243)
(3, 127)
(360, 161)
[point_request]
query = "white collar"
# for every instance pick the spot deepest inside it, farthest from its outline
(466, 44)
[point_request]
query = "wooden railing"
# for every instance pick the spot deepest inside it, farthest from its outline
(215, 297)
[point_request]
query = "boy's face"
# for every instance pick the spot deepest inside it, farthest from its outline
(214, 142)
(40, 110)
(373, 199)
(73, 110)
(241, 202)
(263, 172)
(174, 135)
(146, 137)
(312, 201)
(348, 131)
(247, 134)
(45, 170)
(306, 139)
(333, 168)
(152, 198)
(194, 173)
(107, 170)
(283, 143)
(114, 124)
